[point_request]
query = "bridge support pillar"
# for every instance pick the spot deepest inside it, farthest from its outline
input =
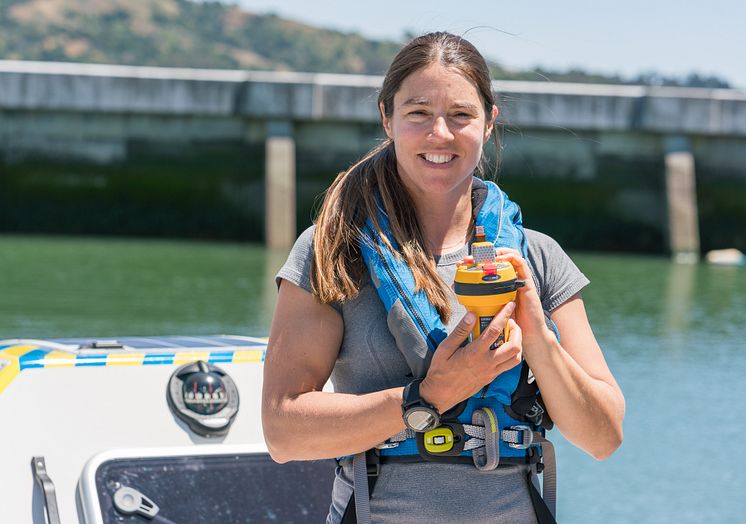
(681, 197)
(279, 178)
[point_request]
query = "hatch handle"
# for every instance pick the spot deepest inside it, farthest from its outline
(129, 501)
(39, 468)
(102, 344)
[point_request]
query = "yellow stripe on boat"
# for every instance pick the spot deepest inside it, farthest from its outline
(249, 355)
(125, 359)
(59, 359)
(185, 357)
(9, 371)
(18, 351)
(11, 360)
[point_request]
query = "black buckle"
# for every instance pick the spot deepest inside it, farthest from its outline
(533, 456)
(447, 440)
(373, 462)
(536, 413)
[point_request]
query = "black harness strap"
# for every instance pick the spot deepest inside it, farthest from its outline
(543, 514)
(526, 403)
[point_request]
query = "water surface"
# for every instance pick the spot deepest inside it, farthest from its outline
(673, 335)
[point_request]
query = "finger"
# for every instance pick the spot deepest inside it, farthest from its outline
(508, 359)
(513, 257)
(519, 264)
(504, 250)
(511, 352)
(454, 340)
(515, 333)
(496, 325)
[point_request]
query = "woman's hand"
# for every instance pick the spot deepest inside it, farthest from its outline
(529, 312)
(456, 373)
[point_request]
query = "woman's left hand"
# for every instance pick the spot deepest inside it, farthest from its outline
(529, 313)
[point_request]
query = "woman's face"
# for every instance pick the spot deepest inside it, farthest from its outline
(438, 126)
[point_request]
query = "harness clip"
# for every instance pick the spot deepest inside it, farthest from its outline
(447, 440)
(526, 441)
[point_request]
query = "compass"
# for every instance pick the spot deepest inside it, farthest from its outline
(204, 397)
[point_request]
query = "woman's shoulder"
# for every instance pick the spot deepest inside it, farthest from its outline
(297, 267)
(543, 247)
(556, 276)
(537, 238)
(305, 239)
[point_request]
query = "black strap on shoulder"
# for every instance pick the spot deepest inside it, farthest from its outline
(478, 195)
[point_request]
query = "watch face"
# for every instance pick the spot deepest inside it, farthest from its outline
(419, 419)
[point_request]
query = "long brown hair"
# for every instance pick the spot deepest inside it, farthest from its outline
(337, 266)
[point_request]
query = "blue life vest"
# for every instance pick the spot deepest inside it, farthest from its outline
(414, 321)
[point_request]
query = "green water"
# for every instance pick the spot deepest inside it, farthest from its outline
(673, 335)
(71, 286)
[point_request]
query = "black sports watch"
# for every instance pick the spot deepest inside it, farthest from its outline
(418, 415)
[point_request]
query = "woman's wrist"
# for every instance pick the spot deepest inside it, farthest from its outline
(541, 345)
(429, 394)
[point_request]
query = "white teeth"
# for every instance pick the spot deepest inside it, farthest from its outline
(438, 159)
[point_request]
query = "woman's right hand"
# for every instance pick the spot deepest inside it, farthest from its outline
(456, 373)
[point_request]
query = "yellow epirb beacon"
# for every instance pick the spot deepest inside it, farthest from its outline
(484, 285)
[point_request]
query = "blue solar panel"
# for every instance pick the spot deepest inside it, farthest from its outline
(161, 342)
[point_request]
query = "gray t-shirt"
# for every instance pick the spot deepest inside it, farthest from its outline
(369, 361)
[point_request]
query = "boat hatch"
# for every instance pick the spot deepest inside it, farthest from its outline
(190, 487)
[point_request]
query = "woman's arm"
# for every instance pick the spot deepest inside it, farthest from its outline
(578, 389)
(301, 422)
(585, 399)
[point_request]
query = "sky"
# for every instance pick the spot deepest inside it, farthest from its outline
(671, 37)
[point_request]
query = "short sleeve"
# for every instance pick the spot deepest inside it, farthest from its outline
(297, 267)
(556, 276)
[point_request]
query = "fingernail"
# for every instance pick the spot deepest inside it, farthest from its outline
(510, 306)
(469, 318)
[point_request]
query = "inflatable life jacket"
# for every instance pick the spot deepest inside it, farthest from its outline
(506, 418)
(418, 329)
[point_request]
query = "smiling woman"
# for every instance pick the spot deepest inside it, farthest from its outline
(442, 428)
(438, 128)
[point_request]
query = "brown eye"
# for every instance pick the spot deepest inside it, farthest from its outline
(417, 116)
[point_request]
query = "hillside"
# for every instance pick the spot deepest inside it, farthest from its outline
(185, 33)
(179, 33)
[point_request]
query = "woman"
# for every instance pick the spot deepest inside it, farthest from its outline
(414, 202)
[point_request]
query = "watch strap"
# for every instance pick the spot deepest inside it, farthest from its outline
(411, 396)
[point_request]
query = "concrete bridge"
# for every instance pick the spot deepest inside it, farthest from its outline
(91, 111)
